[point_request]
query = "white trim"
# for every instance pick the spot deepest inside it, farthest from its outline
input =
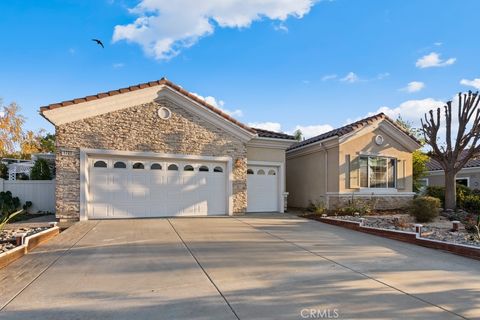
(85, 153)
(426, 181)
(395, 170)
(388, 128)
(281, 179)
(463, 178)
(125, 100)
(208, 115)
(373, 192)
(313, 147)
(462, 171)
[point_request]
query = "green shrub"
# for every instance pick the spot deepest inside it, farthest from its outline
(462, 193)
(439, 193)
(425, 209)
(471, 203)
(472, 225)
(3, 171)
(40, 170)
(317, 207)
(436, 192)
(362, 206)
(8, 203)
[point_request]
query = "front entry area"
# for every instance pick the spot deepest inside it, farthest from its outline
(127, 187)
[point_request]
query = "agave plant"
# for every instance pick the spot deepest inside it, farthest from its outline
(7, 217)
(10, 207)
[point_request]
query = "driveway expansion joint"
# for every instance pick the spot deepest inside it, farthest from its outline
(349, 268)
(204, 271)
(48, 266)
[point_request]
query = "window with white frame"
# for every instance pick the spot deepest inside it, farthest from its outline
(422, 184)
(377, 172)
(463, 181)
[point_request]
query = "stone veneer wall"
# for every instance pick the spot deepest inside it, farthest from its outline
(384, 202)
(140, 129)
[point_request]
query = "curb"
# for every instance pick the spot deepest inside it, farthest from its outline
(468, 251)
(29, 244)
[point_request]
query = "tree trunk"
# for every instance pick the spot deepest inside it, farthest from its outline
(450, 190)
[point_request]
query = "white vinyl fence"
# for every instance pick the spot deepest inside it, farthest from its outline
(40, 192)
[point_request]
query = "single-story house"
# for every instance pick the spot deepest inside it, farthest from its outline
(368, 159)
(155, 149)
(469, 175)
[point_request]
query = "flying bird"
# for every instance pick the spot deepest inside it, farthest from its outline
(98, 42)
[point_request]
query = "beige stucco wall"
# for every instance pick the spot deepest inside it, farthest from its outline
(365, 144)
(265, 154)
(140, 129)
(308, 177)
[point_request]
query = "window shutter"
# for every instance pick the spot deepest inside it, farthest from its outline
(354, 172)
(401, 174)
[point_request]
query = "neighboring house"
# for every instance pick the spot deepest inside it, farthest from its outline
(154, 149)
(469, 175)
(368, 159)
(18, 167)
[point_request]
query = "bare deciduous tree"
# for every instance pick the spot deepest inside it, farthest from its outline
(454, 153)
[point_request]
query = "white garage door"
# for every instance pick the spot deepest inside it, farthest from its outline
(131, 188)
(262, 189)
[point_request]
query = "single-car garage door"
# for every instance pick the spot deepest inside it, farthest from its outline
(131, 188)
(262, 189)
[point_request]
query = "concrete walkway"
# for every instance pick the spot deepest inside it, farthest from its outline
(253, 267)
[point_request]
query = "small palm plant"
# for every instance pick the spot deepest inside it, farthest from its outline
(7, 217)
(10, 208)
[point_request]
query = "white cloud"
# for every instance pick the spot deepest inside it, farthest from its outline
(118, 65)
(312, 130)
(383, 75)
(438, 44)
(351, 77)
(164, 27)
(411, 110)
(433, 60)
(414, 86)
(329, 77)
(219, 105)
(471, 83)
(281, 27)
(272, 126)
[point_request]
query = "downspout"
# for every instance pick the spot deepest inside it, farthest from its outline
(327, 200)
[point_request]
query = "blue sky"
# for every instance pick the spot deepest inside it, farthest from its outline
(282, 64)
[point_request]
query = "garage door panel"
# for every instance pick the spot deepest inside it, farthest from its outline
(262, 189)
(99, 210)
(118, 187)
(127, 211)
(139, 188)
(124, 192)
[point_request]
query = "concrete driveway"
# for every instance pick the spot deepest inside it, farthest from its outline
(252, 267)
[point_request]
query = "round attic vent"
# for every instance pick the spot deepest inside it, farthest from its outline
(164, 113)
(379, 140)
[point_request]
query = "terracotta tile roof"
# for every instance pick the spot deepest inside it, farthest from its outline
(433, 165)
(271, 134)
(349, 128)
(162, 81)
